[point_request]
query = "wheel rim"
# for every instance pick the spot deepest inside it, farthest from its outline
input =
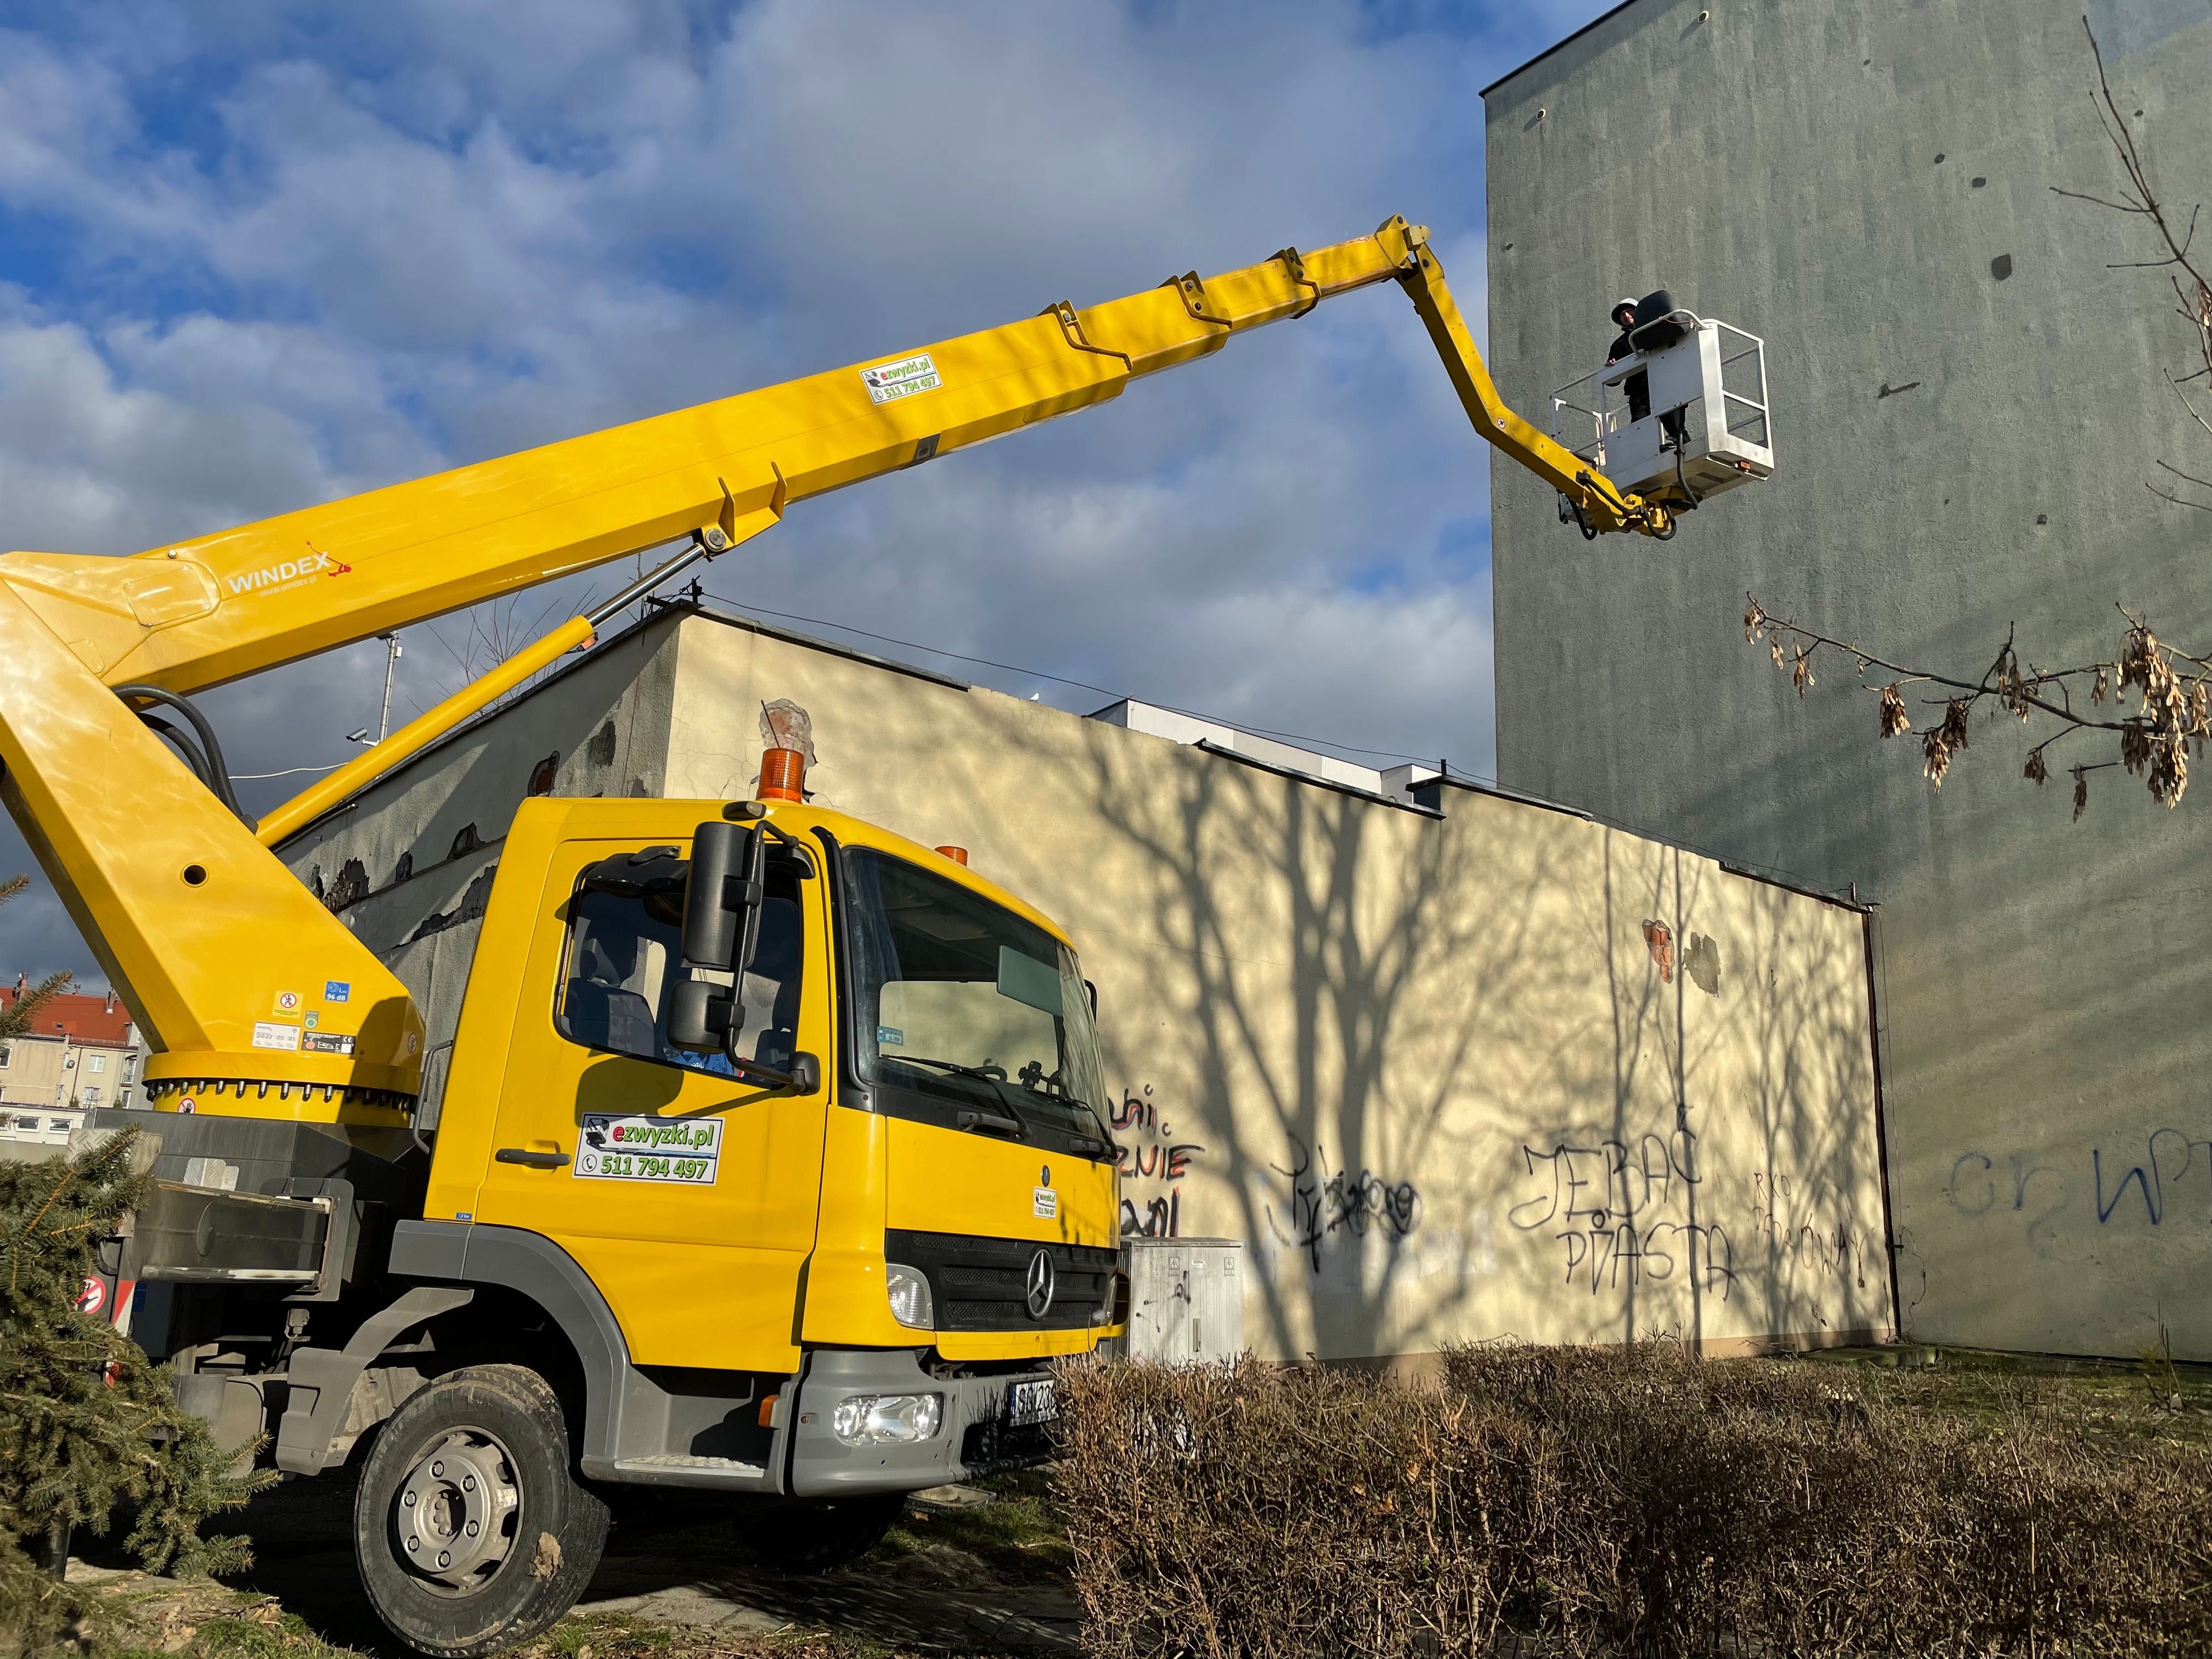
(454, 1517)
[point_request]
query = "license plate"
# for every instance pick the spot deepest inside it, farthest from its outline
(1031, 1402)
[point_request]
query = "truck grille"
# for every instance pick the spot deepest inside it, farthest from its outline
(982, 1284)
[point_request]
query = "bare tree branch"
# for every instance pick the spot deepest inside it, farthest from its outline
(2173, 717)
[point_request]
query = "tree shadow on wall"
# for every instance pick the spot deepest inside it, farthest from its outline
(1404, 1033)
(1723, 1183)
(1345, 966)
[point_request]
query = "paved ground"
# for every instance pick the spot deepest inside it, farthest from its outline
(671, 1564)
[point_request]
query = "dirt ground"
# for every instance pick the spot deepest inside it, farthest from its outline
(982, 1571)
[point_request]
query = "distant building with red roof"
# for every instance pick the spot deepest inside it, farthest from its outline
(81, 1051)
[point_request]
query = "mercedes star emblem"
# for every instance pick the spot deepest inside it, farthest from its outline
(1039, 1285)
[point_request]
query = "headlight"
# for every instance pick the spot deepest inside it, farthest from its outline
(877, 1419)
(909, 1294)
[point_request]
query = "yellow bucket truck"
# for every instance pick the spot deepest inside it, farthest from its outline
(769, 1161)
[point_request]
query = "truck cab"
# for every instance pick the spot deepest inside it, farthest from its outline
(821, 1262)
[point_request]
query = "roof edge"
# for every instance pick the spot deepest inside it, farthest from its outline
(730, 615)
(1208, 746)
(1568, 41)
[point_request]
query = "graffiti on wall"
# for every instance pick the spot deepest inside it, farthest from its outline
(2024, 1187)
(2158, 1172)
(1153, 1164)
(1353, 1231)
(1322, 1203)
(1778, 1221)
(1622, 1213)
(2132, 1183)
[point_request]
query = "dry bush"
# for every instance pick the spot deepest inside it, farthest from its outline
(1607, 1501)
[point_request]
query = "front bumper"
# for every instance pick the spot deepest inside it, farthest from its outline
(972, 1438)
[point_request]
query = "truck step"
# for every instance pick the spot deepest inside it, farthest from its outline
(676, 1469)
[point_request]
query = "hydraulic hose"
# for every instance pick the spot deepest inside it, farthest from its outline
(211, 770)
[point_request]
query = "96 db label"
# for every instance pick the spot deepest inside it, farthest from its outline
(687, 1151)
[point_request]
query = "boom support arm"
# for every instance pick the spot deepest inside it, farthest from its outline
(209, 934)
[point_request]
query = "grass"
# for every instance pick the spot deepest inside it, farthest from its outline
(619, 1637)
(273, 1634)
(1605, 1499)
(2111, 1400)
(1019, 1540)
(257, 1630)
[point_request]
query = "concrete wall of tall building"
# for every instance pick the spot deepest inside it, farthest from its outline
(1968, 403)
(1425, 1063)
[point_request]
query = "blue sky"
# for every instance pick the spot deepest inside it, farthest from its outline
(255, 255)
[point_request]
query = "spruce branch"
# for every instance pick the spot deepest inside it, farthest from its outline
(89, 1423)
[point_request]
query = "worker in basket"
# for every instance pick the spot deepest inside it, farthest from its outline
(1628, 315)
(1638, 386)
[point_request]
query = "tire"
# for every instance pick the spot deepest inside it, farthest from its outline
(470, 1530)
(822, 1535)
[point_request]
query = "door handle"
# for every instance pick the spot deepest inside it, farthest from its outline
(534, 1160)
(991, 1123)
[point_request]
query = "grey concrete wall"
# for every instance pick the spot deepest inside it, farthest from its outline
(435, 968)
(1967, 405)
(602, 721)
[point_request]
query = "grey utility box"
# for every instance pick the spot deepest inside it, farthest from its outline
(1186, 1299)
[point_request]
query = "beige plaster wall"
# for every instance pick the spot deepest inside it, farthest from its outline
(1426, 1066)
(34, 1074)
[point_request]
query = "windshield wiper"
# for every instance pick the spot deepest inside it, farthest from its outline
(1085, 1145)
(980, 1122)
(993, 1076)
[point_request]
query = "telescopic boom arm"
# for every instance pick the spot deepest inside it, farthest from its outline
(207, 933)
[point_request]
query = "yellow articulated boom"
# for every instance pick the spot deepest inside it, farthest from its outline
(203, 931)
(723, 1046)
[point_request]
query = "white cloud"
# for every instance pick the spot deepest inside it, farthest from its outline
(382, 243)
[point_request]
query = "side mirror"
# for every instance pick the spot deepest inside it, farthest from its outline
(1091, 990)
(721, 923)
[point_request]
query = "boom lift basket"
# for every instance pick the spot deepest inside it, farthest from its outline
(1678, 421)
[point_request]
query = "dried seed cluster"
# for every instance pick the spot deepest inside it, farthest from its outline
(2171, 719)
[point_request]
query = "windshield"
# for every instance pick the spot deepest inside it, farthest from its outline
(958, 999)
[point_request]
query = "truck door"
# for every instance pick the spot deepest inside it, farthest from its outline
(689, 1196)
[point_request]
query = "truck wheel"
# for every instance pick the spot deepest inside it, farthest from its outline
(470, 1532)
(819, 1536)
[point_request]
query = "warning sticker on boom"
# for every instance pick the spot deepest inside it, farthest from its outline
(889, 382)
(686, 1150)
